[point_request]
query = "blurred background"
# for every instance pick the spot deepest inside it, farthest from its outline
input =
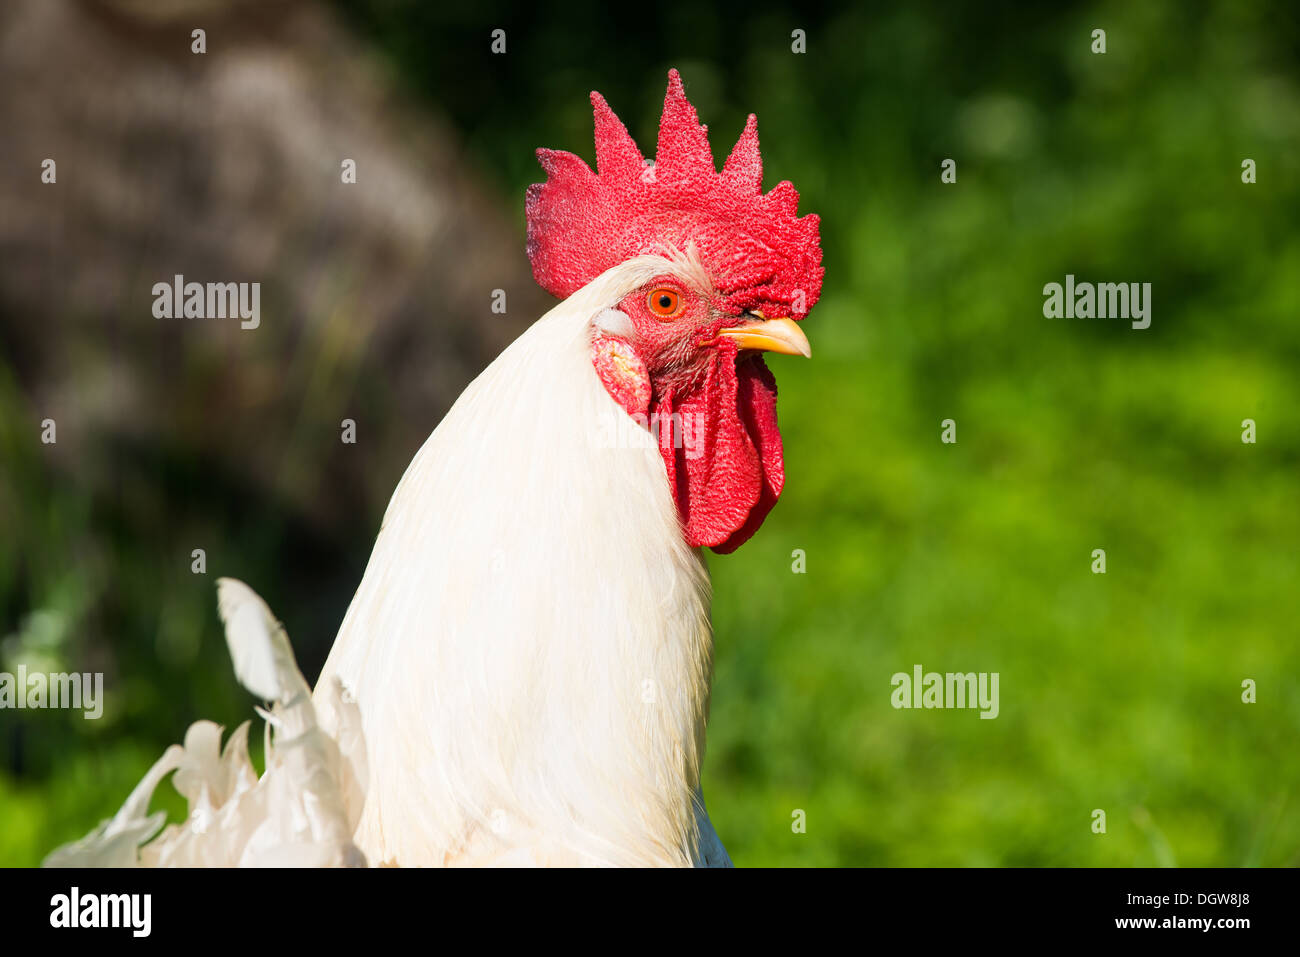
(1119, 692)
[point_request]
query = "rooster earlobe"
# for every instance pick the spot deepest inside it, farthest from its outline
(613, 322)
(744, 167)
(683, 148)
(616, 152)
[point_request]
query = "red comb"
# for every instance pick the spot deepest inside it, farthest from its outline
(761, 254)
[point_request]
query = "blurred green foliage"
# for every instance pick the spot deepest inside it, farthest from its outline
(1118, 691)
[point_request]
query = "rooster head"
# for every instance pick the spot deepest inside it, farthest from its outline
(743, 268)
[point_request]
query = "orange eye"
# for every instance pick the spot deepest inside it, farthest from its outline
(664, 302)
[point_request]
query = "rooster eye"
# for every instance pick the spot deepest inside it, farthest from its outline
(664, 302)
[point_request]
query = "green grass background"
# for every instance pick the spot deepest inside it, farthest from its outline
(1119, 692)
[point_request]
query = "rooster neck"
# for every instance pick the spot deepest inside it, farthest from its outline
(530, 646)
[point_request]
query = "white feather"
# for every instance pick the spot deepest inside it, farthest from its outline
(302, 811)
(527, 659)
(530, 645)
(259, 648)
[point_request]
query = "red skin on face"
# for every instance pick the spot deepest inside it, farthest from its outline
(623, 373)
(714, 411)
(760, 255)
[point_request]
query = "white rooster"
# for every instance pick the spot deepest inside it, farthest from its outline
(523, 675)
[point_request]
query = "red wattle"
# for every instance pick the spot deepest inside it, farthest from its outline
(722, 451)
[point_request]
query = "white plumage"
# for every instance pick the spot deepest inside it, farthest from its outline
(531, 599)
(301, 812)
(529, 652)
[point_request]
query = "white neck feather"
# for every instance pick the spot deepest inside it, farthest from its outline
(530, 646)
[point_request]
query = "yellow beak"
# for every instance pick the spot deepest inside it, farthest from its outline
(770, 335)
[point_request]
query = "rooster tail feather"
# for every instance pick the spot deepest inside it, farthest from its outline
(302, 811)
(259, 648)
